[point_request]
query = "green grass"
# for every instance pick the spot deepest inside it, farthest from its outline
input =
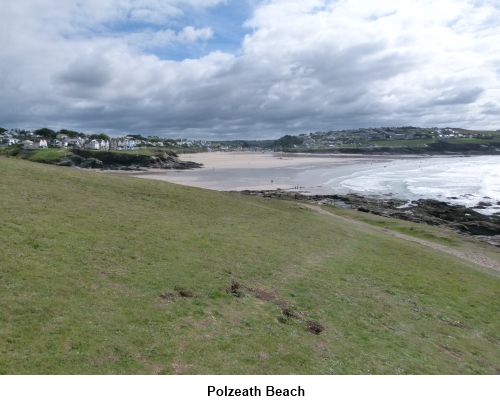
(422, 231)
(473, 140)
(84, 257)
(405, 142)
(49, 156)
(474, 131)
(140, 151)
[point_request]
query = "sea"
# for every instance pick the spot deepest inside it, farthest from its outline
(466, 181)
(460, 180)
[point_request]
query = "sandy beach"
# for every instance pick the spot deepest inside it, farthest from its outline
(238, 171)
(241, 160)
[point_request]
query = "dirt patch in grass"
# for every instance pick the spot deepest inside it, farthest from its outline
(282, 350)
(157, 370)
(185, 293)
(454, 353)
(288, 312)
(270, 296)
(179, 293)
(314, 327)
(167, 295)
(139, 358)
(264, 356)
(286, 309)
(235, 289)
(181, 368)
(457, 324)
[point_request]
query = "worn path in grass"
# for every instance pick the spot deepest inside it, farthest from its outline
(475, 258)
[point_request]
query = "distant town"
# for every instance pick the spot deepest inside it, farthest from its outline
(44, 138)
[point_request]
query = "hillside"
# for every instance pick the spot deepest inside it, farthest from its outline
(153, 158)
(106, 274)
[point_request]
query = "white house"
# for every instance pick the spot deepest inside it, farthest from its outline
(77, 142)
(129, 144)
(38, 144)
(104, 145)
(93, 144)
(9, 140)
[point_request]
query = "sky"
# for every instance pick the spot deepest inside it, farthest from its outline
(248, 69)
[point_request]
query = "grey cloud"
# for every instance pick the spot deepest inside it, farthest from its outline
(458, 96)
(284, 82)
(89, 73)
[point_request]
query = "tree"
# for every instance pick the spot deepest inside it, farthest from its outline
(288, 141)
(137, 137)
(2, 130)
(46, 133)
(100, 136)
(69, 133)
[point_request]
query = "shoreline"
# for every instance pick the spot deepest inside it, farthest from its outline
(217, 163)
(228, 171)
(457, 179)
(456, 218)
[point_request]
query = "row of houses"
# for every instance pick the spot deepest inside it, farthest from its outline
(93, 144)
(101, 144)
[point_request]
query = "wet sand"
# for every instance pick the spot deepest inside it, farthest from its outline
(238, 171)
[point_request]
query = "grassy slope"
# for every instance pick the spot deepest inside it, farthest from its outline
(84, 256)
(422, 231)
(404, 142)
(50, 155)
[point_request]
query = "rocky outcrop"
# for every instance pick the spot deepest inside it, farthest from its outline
(458, 218)
(111, 160)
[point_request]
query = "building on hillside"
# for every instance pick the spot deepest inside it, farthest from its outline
(38, 144)
(8, 140)
(129, 144)
(103, 145)
(93, 144)
(76, 142)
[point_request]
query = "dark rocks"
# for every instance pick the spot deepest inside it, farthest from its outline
(483, 204)
(111, 160)
(458, 218)
(78, 161)
(91, 163)
(485, 228)
(71, 160)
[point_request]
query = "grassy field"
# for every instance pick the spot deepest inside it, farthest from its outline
(108, 274)
(405, 142)
(49, 156)
(421, 231)
(473, 140)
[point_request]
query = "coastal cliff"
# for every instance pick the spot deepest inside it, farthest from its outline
(111, 160)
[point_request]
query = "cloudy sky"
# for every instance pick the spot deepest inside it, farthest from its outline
(243, 69)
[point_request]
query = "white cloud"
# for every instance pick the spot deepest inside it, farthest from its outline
(306, 65)
(150, 39)
(191, 34)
